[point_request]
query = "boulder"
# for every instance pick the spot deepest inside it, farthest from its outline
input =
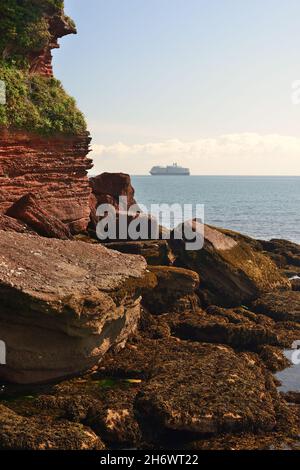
(175, 290)
(64, 304)
(281, 306)
(22, 433)
(29, 210)
(232, 271)
(108, 187)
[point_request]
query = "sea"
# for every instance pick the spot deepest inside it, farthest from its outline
(263, 207)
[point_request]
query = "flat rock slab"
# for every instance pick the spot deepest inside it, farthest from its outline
(204, 389)
(197, 388)
(281, 305)
(63, 304)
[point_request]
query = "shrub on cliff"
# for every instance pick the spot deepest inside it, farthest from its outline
(29, 29)
(38, 103)
(24, 28)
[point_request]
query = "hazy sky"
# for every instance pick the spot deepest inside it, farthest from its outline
(206, 83)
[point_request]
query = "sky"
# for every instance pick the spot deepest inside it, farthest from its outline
(210, 84)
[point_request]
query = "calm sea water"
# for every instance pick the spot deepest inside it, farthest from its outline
(262, 207)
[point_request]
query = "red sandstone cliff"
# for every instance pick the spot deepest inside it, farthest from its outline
(41, 62)
(55, 168)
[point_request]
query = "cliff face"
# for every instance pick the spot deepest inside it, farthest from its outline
(43, 139)
(54, 168)
(41, 61)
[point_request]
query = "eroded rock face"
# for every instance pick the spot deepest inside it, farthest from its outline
(55, 168)
(28, 209)
(12, 225)
(59, 26)
(64, 304)
(232, 271)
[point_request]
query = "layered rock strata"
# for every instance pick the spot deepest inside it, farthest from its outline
(55, 168)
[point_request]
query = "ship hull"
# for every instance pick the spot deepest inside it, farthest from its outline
(169, 174)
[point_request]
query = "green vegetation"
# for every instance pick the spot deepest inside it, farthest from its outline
(34, 102)
(38, 104)
(23, 27)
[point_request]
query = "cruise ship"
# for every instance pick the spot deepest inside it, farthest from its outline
(170, 170)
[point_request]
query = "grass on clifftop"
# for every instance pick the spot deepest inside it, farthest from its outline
(38, 104)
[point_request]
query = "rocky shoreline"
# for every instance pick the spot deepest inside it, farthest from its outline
(155, 362)
(125, 344)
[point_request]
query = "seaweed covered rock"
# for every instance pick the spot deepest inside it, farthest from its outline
(232, 271)
(64, 304)
(195, 388)
(175, 290)
(21, 433)
(285, 253)
(281, 306)
(241, 333)
(206, 389)
(274, 358)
